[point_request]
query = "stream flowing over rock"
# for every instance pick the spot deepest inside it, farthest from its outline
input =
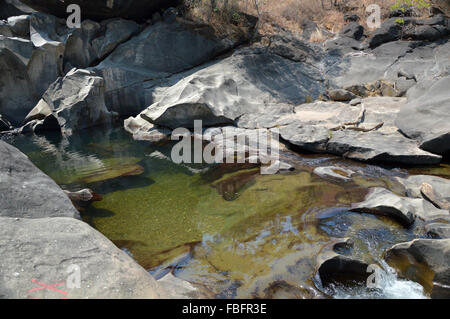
(433, 254)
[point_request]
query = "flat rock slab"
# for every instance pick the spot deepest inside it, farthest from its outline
(48, 250)
(26, 192)
(312, 127)
(381, 201)
(379, 147)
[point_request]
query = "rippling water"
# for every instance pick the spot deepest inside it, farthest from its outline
(226, 228)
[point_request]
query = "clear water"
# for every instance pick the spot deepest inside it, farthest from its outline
(226, 228)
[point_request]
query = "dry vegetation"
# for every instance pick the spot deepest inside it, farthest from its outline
(289, 14)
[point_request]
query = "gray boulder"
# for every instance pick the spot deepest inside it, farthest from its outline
(353, 30)
(16, 96)
(319, 127)
(10, 8)
(333, 268)
(251, 81)
(438, 230)
(26, 192)
(427, 118)
(94, 41)
(380, 201)
(431, 254)
(76, 101)
(139, 66)
(49, 250)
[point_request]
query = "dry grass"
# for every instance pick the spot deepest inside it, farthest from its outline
(289, 14)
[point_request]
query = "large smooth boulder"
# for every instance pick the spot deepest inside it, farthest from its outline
(16, 89)
(426, 261)
(47, 251)
(100, 10)
(136, 68)
(251, 82)
(26, 192)
(427, 118)
(76, 101)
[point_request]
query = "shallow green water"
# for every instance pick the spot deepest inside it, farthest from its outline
(228, 229)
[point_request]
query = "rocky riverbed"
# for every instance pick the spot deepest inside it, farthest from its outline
(377, 100)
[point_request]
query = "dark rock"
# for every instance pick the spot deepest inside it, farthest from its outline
(170, 15)
(353, 30)
(4, 124)
(426, 261)
(334, 268)
(10, 8)
(390, 30)
(341, 95)
(351, 17)
(26, 192)
(101, 10)
(20, 25)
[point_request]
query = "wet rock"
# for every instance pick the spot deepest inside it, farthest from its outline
(46, 248)
(426, 261)
(334, 268)
(137, 67)
(26, 192)
(143, 130)
(438, 230)
(334, 172)
(101, 10)
(341, 95)
(76, 101)
(83, 198)
(380, 201)
(426, 118)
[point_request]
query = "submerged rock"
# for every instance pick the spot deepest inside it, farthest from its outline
(334, 172)
(426, 261)
(26, 192)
